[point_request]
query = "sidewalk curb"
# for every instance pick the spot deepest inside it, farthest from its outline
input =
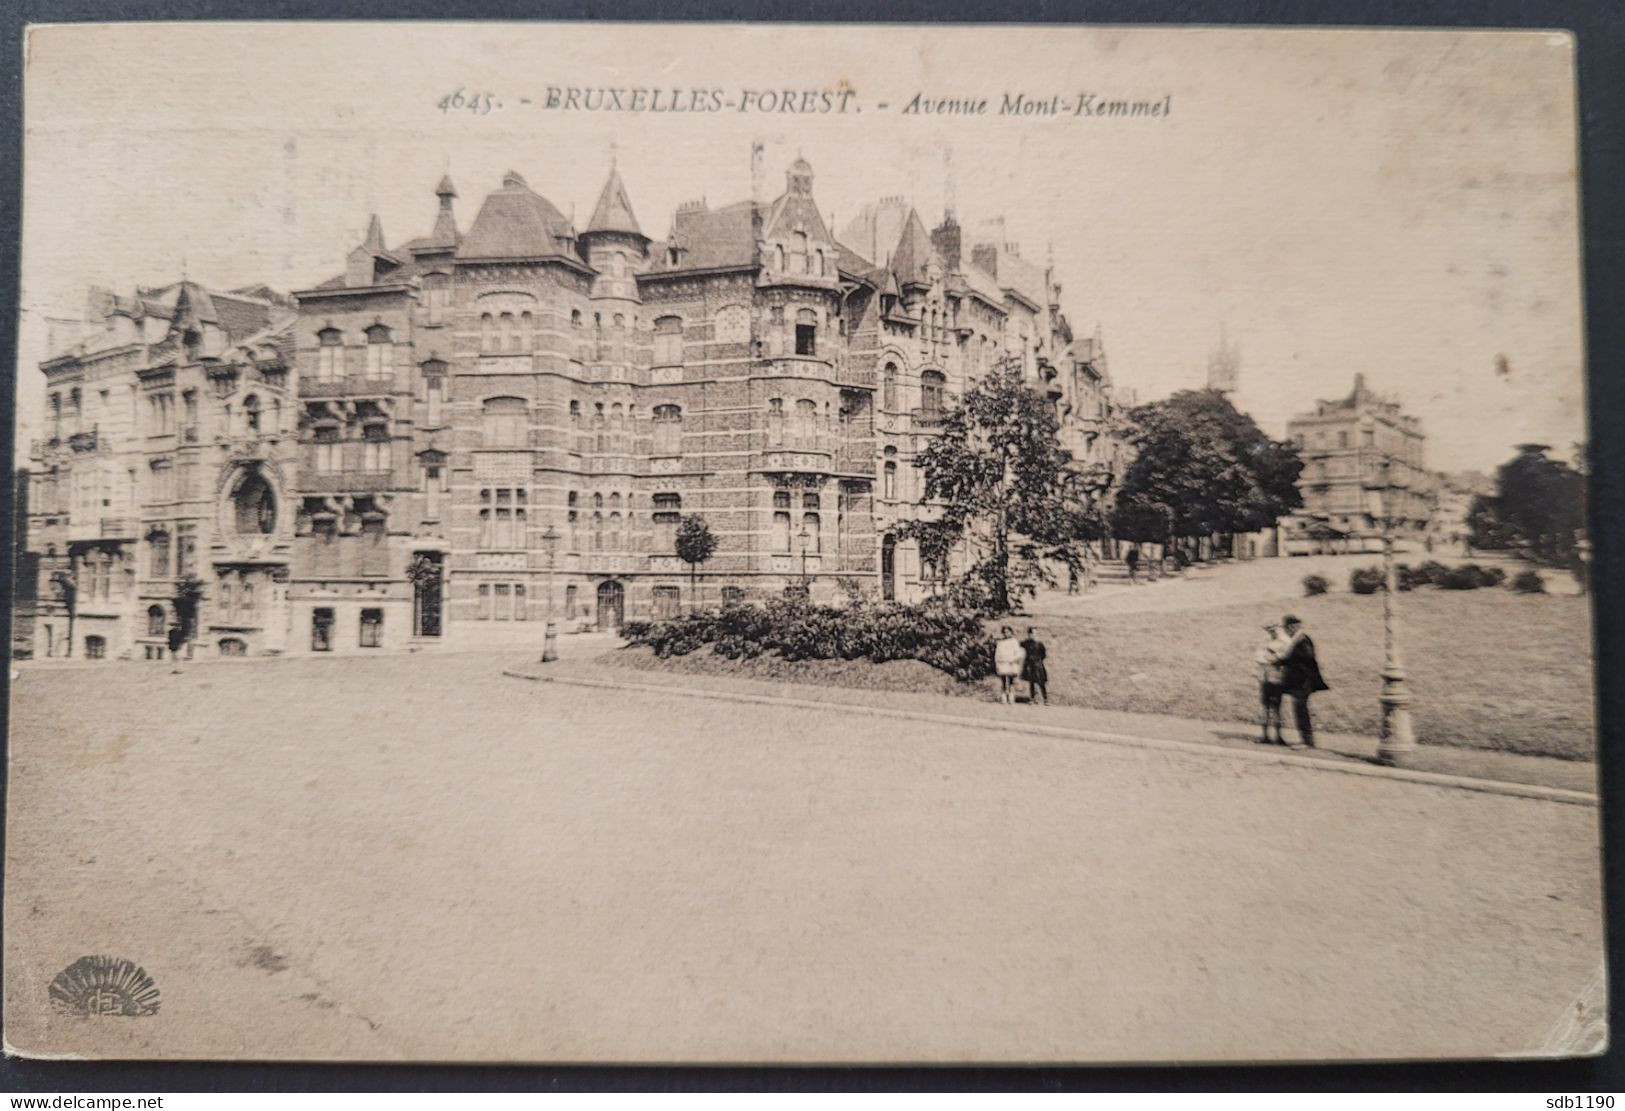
(1432, 779)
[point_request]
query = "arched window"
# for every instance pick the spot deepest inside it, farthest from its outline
(597, 532)
(329, 354)
(781, 521)
(489, 340)
(615, 541)
(620, 322)
(820, 257)
(380, 352)
(778, 256)
(155, 621)
(806, 332)
(527, 332)
(806, 432)
(668, 341)
(502, 423)
(233, 646)
(888, 486)
(775, 421)
(888, 388)
(575, 414)
(251, 413)
(932, 385)
(255, 506)
(668, 512)
(668, 430)
(617, 417)
(812, 540)
(575, 318)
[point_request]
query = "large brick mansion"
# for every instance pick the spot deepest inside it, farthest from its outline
(474, 429)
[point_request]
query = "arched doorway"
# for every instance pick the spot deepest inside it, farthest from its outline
(888, 568)
(611, 605)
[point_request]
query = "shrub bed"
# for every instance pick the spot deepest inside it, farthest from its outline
(950, 640)
(1527, 582)
(1315, 584)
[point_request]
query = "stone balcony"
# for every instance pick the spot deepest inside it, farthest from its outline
(347, 482)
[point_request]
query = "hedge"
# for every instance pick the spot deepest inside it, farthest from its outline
(949, 639)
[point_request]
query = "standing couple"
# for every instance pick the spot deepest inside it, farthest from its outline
(1024, 660)
(1287, 666)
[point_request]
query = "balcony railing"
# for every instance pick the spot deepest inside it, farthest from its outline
(352, 385)
(83, 441)
(348, 482)
(929, 418)
(120, 528)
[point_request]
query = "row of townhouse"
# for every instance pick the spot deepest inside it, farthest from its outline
(473, 431)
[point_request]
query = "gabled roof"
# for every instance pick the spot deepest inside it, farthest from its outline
(515, 222)
(614, 210)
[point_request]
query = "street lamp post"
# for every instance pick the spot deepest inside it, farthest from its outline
(1397, 743)
(550, 639)
(804, 537)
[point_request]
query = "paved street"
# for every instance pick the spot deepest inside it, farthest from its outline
(416, 857)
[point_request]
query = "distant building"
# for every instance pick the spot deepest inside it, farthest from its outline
(1363, 462)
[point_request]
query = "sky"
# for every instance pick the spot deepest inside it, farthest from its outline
(1402, 204)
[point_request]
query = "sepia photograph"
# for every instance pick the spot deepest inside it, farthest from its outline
(719, 543)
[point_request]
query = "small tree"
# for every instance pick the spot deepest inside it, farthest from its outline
(188, 596)
(67, 591)
(695, 545)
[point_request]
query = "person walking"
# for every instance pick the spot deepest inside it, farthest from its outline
(1300, 677)
(1132, 558)
(1033, 672)
(1270, 676)
(1008, 658)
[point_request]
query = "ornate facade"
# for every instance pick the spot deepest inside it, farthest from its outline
(170, 456)
(484, 428)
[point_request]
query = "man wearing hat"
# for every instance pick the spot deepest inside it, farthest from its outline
(1300, 676)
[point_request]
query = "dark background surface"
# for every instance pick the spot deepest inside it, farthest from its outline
(1599, 28)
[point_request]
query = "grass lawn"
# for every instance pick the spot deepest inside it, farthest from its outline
(1486, 668)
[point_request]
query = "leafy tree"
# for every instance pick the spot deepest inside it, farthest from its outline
(695, 545)
(1539, 504)
(1000, 476)
(67, 591)
(1202, 468)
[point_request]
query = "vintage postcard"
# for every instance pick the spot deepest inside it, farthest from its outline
(726, 543)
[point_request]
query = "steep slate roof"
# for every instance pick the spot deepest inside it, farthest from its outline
(914, 251)
(614, 210)
(711, 239)
(515, 222)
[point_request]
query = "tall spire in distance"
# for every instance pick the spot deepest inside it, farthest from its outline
(1224, 365)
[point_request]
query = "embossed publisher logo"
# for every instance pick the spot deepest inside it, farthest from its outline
(104, 986)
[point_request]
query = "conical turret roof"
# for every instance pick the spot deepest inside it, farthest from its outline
(614, 210)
